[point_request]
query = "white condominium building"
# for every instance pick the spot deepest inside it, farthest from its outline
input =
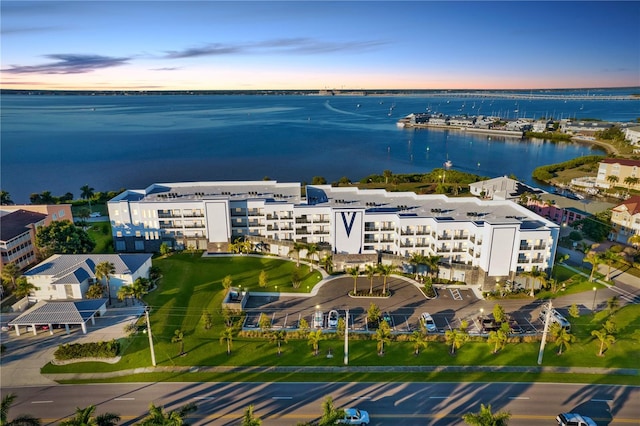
(496, 239)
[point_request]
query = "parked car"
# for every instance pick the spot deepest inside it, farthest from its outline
(95, 214)
(318, 319)
(428, 322)
(353, 416)
(574, 419)
(332, 320)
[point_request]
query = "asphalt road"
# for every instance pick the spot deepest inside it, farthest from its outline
(283, 404)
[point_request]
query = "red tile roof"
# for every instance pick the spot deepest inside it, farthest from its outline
(632, 204)
(622, 161)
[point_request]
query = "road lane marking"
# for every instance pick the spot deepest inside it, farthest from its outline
(602, 400)
(41, 402)
(518, 397)
(281, 397)
(360, 397)
(439, 397)
(124, 399)
(203, 397)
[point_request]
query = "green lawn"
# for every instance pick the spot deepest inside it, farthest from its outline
(191, 284)
(100, 232)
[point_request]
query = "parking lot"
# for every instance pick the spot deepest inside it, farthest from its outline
(401, 310)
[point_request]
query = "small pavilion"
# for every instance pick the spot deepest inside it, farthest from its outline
(64, 312)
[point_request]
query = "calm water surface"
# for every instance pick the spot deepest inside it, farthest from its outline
(59, 143)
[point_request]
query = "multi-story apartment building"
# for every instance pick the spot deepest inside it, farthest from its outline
(620, 172)
(487, 239)
(17, 237)
(625, 220)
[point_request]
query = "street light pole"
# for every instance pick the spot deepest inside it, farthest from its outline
(595, 292)
(153, 353)
(346, 339)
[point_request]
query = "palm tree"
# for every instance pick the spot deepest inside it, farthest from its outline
(497, 338)
(139, 288)
(433, 262)
(87, 193)
(297, 248)
(22, 420)
(613, 180)
(595, 259)
(104, 270)
(23, 287)
(159, 417)
(279, 337)
(486, 418)
(354, 272)
(387, 174)
(370, 271)
(383, 335)
(314, 339)
(124, 292)
(605, 340)
(11, 272)
(227, 337)
(385, 271)
(527, 275)
(630, 181)
(85, 417)
(419, 342)
(417, 259)
(537, 275)
(330, 414)
(610, 258)
(312, 251)
(327, 263)
(178, 337)
(456, 338)
(562, 337)
(249, 419)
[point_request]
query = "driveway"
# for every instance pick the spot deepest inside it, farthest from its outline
(26, 354)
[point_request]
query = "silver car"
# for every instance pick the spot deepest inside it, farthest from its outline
(318, 319)
(332, 319)
(428, 322)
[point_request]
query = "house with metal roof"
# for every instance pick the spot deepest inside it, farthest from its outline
(17, 236)
(45, 315)
(68, 276)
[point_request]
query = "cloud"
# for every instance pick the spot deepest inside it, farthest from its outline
(69, 64)
(166, 69)
(298, 45)
(9, 31)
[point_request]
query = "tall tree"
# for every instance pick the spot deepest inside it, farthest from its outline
(159, 417)
(417, 259)
(86, 193)
(330, 414)
(562, 337)
(314, 339)
(595, 259)
(297, 248)
(385, 271)
(327, 263)
(419, 342)
(383, 335)
(124, 293)
(63, 237)
(178, 337)
(537, 275)
(455, 338)
(370, 271)
(354, 272)
(610, 258)
(85, 417)
(433, 263)
(485, 417)
(606, 340)
(312, 252)
(104, 271)
(387, 174)
(498, 339)
(10, 273)
(279, 337)
(21, 420)
(95, 291)
(140, 288)
(227, 337)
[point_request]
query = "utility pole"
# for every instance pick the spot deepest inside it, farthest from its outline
(547, 319)
(346, 339)
(153, 353)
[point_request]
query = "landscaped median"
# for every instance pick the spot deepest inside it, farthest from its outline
(192, 285)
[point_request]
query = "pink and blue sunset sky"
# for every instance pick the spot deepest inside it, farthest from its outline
(214, 45)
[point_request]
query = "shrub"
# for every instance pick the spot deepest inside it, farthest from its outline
(68, 351)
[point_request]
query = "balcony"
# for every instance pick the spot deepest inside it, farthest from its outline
(540, 247)
(302, 230)
(525, 247)
(163, 215)
(445, 236)
(523, 260)
(240, 213)
(406, 232)
(460, 237)
(302, 220)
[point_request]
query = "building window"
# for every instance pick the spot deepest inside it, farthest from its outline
(120, 246)
(139, 245)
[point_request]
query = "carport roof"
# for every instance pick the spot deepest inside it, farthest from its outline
(60, 312)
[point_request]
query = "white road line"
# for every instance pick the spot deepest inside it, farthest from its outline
(203, 397)
(41, 402)
(124, 399)
(602, 400)
(281, 397)
(360, 397)
(439, 397)
(519, 397)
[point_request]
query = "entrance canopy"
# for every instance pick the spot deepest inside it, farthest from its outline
(46, 314)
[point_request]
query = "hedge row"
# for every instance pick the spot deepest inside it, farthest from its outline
(87, 350)
(546, 173)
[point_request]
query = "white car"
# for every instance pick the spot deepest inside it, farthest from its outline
(332, 320)
(428, 322)
(353, 416)
(95, 214)
(574, 419)
(318, 319)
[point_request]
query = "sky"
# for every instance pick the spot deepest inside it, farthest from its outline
(309, 45)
